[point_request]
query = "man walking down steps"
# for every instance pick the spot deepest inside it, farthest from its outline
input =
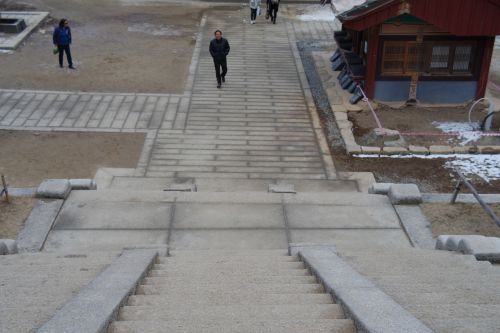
(219, 49)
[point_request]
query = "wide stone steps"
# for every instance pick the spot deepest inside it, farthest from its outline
(226, 291)
(225, 326)
(449, 292)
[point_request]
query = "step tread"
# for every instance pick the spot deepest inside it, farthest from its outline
(231, 298)
(277, 288)
(235, 312)
(167, 280)
(236, 326)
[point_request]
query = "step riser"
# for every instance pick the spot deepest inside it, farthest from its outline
(160, 280)
(222, 266)
(200, 274)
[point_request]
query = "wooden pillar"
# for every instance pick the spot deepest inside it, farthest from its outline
(371, 64)
(489, 43)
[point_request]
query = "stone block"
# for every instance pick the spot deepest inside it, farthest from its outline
(54, 189)
(418, 150)
(394, 151)
(441, 242)
(341, 116)
(484, 248)
(181, 187)
(3, 249)
(82, 184)
(405, 194)
(465, 149)
(353, 149)
(452, 242)
(10, 244)
(435, 149)
(489, 149)
(344, 124)
(370, 150)
(379, 188)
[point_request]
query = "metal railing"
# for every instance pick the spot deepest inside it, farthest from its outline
(463, 181)
(4, 189)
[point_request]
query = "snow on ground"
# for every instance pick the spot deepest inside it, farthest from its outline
(317, 13)
(467, 132)
(485, 166)
(343, 5)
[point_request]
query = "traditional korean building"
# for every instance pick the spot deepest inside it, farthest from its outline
(433, 51)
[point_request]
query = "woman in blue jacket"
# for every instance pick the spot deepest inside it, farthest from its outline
(62, 40)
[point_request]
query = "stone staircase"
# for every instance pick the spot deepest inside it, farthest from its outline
(449, 292)
(230, 291)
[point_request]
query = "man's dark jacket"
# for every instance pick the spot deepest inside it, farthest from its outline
(62, 36)
(219, 49)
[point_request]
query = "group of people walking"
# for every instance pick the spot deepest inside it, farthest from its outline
(272, 7)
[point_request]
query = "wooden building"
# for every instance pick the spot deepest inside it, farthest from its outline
(433, 51)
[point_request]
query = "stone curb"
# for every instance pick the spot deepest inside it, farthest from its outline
(372, 310)
(98, 304)
(481, 247)
(416, 226)
(38, 225)
(54, 189)
(10, 244)
(461, 198)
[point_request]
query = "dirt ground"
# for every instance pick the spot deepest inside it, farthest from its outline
(27, 158)
(142, 47)
(13, 215)
(461, 219)
(419, 119)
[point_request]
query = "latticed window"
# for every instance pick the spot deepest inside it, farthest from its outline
(404, 58)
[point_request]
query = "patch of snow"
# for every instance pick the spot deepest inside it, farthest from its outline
(6, 51)
(485, 166)
(155, 30)
(343, 5)
(467, 132)
(317, 13)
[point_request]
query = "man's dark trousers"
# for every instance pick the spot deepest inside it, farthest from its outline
(62, 49)
(218, 64)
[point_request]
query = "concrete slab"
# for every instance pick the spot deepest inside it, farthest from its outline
(316, 216)
(228, 216)
(114, 215)
(231, 185)
(102, 240)
(228, 239)
(362, 238)
(321, 185)
(38, 225)
(281, 188)
(142, 183)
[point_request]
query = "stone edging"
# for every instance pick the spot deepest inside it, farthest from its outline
(98, 304)
(370, 308)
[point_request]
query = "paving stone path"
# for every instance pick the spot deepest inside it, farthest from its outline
(256, 126)
(262, 124)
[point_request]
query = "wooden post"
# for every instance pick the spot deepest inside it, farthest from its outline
(371, 64)
(489, 43)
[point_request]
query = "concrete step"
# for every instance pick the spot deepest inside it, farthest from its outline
(201, 254)
(229, 288)
(213, 273)
(236, 326)
(222, 259)
(232, 185)
(232, 312)
(159, 280)
(240, 298)
(177, 265)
